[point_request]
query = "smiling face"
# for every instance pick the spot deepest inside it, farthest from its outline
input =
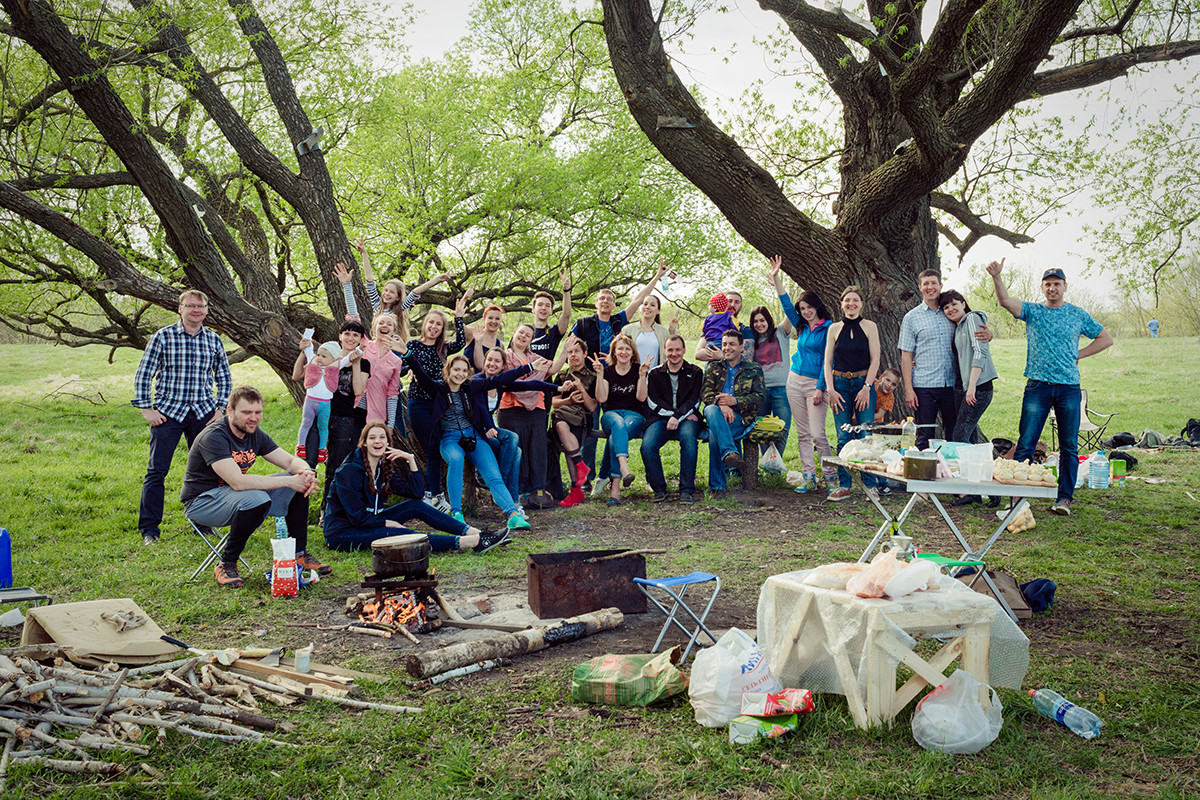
(931, 287)
(606, 301)
(384, 327)
(1054, 290)
(522, 337)
(389, 294)
(493, 363)
(650, 308)
(954, 310)
(491, 321)
(807, 312)
(457, 373)
(433, 326)
(193, 310)
(543, 307)
(674, 353)
(759, 323)
(622, 352)
(887, 384)
(731, 349)
(350, 339)
(735, 303)
(852, 305)
(245, 417)
(324, 358)
(377, 440)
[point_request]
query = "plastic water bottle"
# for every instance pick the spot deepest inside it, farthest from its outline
(281, 531)
(908, 434)
(1098, 471)
(1052, 704)
(6, 575)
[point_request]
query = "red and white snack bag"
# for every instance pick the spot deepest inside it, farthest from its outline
(786, 701)
(284, 581)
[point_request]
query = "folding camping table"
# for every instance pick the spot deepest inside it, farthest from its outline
(950, 486)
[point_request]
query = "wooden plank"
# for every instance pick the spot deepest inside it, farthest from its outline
(975, 658)
(914, 685)
(913, 661)
(880, 677)
(850, 687)
(330, 669)
(251, 667)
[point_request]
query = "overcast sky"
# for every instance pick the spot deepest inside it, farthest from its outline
(730, 36)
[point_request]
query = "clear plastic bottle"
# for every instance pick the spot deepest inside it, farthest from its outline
(1079, 720)
(281, 530)
(1098, 471)
(908, 434)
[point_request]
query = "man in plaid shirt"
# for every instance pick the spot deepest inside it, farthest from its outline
(184, 362)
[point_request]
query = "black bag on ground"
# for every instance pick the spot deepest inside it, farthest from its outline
(1123, 439)
(1120, 455)
(1191, 431)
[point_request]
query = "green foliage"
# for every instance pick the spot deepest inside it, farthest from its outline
(514, 158)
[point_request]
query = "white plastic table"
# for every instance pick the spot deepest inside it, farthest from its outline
(950, 486)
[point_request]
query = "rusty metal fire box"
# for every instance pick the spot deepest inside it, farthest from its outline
(579, 581)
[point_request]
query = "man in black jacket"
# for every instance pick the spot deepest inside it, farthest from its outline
(673, 397)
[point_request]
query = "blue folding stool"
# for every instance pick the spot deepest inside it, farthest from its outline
(667, 585)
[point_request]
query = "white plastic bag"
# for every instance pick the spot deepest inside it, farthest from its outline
(951, 718)
(722, 673)
(770, 461)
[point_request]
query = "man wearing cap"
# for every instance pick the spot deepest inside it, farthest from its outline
(181, 385)
(1052, 354)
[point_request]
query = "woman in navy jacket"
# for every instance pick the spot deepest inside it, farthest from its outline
(355, 512)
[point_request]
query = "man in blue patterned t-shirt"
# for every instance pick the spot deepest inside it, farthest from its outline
(1052, 332)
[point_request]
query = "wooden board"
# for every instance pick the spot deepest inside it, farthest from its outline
(1021, 483)
(251, 667)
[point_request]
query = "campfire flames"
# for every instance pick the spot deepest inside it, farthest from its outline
(402, 608)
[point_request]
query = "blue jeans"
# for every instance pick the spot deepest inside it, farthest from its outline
(485, 462)
(621, 426)
(164, 440)
(848, 388)
(776, 402)
(347, 538)
(1065, 399)
(722, 440)
(653, 439)
(508, 457)
(966, 426)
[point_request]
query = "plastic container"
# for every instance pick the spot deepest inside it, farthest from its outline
(1078, 720)
(6, 575)
(1098, 471)
(281, 531)
(908, 434)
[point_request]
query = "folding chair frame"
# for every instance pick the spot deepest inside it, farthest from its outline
(1092, 424)
(664, 585)
(214, 549)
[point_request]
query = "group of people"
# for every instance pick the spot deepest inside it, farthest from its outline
(516, 409)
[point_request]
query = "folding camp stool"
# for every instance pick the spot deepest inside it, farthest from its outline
(667, 586)
(214, 549)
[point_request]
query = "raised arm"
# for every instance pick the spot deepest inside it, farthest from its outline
(638, 298)
(775, 279)
(1011, 304)
(432, 282)
(361, 247)
(564, 317)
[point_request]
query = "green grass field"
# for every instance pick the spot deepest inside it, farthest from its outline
(1123, 639)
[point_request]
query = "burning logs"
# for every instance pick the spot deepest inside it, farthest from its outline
(421, 665)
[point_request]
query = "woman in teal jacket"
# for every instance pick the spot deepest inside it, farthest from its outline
(806, 381)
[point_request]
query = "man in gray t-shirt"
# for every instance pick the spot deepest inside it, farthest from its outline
(217, 491)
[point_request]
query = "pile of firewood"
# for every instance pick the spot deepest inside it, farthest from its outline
(57, 715)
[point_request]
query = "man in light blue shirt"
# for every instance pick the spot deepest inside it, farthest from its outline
(927, 360)
(1052, 332)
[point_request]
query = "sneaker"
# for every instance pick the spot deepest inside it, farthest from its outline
(517, 522)
(428, 500)
(301, 451)
(457, 515)
(809, 485)
(885, 490)
(305, 561)
(658, 497)
(614, 501)
(489, 539)
(1061, 507)
(227, 576)
(542, 500)
(733, 460)
(573, 498)
(628, 479)
(442, 504)
(838, 494)
(599, 488)
(322, 454)
(872, 492)
(581, 473)
(687, 498)
(149, 539)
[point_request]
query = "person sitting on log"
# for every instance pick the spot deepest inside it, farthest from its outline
(355, 515)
